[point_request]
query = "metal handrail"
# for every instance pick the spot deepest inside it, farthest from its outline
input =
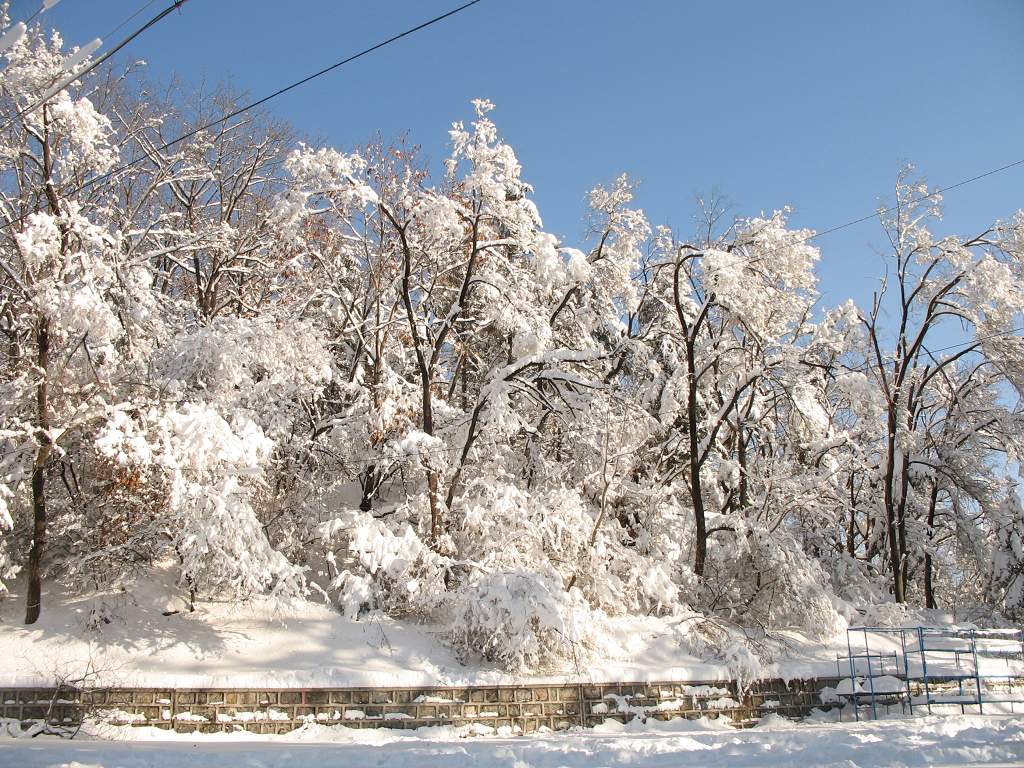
(924, 643)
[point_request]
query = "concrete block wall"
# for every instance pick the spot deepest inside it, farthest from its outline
(524, 708)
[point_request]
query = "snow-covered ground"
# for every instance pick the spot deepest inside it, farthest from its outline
(310, 645)
(959, 740)
(313, 645)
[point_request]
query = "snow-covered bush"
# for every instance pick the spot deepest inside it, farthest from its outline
(377, 568)
(768, 580)
(212, 471)
(117, 531)
(523, 621)
(558, 534)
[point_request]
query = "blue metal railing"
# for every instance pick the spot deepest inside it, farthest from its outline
(916, 643)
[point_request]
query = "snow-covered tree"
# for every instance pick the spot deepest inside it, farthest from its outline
(936, 403)
(280, 368)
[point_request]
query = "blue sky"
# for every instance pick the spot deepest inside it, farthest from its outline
(812, 105)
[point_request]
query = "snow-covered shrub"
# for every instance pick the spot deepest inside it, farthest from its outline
(212, 471)
(118, 529)
(523, 621)
(853, 581)
(802, 596)
(889, 615)
(223, 546)
(216, 469)
(556, 533)
(767, 577)
(382, 569)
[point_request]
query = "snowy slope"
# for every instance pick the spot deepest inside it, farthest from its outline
(310, 645)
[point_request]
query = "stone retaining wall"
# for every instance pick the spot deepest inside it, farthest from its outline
(523, 708)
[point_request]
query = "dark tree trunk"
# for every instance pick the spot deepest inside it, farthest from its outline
(929, 587)
(44, 440)
(891, 524)
(901, 522)
(33, 597)
(851, 532)
(368, 483)
(700, 549)
(696, 489)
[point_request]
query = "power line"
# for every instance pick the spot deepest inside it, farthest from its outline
(371, 49)
(123, 23)
(933, 193)
(45, 6)
(275, 94)
(97, 63)
(315, 75)
(888, 209)
(976, 339)
(259, 102)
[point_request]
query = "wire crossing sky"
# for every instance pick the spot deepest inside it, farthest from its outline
(234, 113)
(777, 104)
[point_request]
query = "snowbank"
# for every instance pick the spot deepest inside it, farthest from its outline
(952, 741)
